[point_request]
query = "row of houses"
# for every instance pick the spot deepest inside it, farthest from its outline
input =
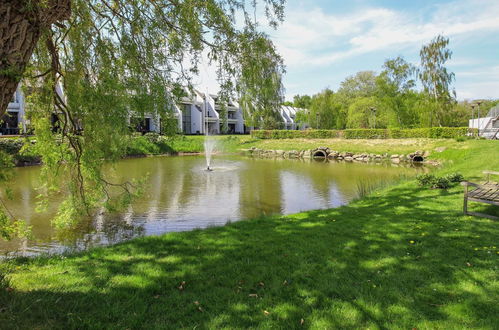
(199, 113)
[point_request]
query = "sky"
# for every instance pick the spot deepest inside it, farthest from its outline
(325, 41)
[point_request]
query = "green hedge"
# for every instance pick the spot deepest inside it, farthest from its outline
(289, 134)
(392, 133)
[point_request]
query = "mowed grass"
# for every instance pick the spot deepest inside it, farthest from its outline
(404, 257)
(234, 143)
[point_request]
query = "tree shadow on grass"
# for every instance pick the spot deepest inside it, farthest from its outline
(394, 261)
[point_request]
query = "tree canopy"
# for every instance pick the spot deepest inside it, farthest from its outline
(114, 57)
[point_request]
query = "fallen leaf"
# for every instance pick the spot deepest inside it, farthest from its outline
(302, 321)
(261, 284)
(9, 289)
(266, 312)
(156, 296)
(196, 303)
(200, 309)
(253, 295)
(468, 264)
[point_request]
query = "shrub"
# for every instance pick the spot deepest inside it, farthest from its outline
(393, 133)
(441, 183)
(152, 137)
(141, 145)
(429, 180)
(425, 179)
(11, 146)
(455, 177)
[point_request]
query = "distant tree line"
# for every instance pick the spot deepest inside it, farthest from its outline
(392, 99)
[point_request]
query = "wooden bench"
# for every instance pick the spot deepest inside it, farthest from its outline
(482, 193)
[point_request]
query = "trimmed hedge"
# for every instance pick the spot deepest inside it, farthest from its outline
(289, 134)
(390, 133)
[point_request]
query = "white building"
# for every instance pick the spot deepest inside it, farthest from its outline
(14, 122)
(487, 126)
(197, 113)
(288, 115)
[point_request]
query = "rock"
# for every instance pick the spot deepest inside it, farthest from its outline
(395, 160)
(394, 156)
(348, 158)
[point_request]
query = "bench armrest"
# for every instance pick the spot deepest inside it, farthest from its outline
(466, 184)
(491, 172)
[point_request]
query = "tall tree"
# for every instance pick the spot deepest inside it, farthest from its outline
(362, 84)
(302, 101)
(395, 91)
(114, 57)
(436, 79)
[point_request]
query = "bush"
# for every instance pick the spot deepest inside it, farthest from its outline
(141, 145)
(152, 137)
(11, 146)
(429, 180)
(455, 177)
(425, 179)
(441, 183)
(390, 133)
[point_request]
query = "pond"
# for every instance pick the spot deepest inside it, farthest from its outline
(180, 195)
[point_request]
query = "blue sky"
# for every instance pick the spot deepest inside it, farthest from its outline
(324, 41)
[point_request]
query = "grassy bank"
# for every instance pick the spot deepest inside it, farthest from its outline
(155, 145)
(403, 257)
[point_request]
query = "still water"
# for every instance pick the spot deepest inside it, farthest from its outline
(180, 195)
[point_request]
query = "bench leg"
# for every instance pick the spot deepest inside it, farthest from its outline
(465, 205)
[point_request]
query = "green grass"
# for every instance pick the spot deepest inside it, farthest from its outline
(403, 257)
(234, 143)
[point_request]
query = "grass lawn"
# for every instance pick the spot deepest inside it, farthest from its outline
(234, 143)
(403, 257)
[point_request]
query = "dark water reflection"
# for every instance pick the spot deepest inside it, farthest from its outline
(181, 195)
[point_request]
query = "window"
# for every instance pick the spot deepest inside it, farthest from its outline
(186, 119)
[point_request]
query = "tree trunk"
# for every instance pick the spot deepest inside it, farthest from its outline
(20, 28)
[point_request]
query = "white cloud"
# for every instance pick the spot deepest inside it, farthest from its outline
(313, 37)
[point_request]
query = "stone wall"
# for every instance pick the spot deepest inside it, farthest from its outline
(325, 152)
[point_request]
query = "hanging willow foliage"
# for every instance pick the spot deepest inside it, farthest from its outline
(94, 62)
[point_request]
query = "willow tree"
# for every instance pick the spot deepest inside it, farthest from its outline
(113, 57)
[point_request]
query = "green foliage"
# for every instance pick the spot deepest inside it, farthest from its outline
(425, 179)
(142, 145)
(291, 134)
(365, 112)
(436, 79)
(302, 101)
(439, 182)
(11, 146)
(123, 59)
(455, 177)
(435, 133)
(366, 134)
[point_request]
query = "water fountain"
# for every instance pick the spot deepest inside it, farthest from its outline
(209, 146)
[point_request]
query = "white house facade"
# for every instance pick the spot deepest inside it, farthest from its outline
(14, 121)
(488, 126)
(197, 113)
